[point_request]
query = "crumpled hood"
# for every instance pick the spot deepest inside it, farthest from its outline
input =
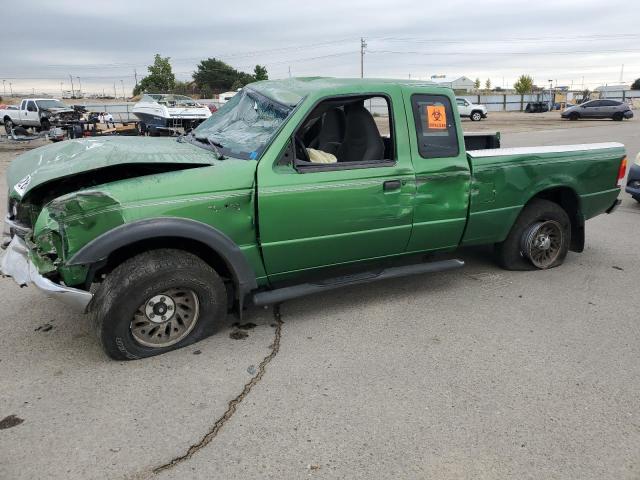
(71, 157)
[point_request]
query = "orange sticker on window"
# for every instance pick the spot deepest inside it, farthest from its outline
(436, 117)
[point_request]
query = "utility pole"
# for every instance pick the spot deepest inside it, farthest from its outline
(135, 75)
(363, 45)
(115, 94)
(122, 83)
(80, 85)
(11, 88)
(73, 93)
(4, 88)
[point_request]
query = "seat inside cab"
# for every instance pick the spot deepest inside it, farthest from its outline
(344, 130)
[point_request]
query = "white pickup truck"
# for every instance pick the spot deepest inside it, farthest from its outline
(40, 113)
(471, 110)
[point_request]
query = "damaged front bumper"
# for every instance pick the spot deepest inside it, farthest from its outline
(15, 263)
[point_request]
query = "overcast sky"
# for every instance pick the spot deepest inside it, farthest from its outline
(102, 42)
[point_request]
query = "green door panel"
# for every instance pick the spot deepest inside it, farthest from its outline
(442, 183)
(316, 219)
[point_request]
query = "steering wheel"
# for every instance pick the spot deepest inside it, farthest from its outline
(301, 151)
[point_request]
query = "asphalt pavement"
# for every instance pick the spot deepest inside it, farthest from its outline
(477, 373)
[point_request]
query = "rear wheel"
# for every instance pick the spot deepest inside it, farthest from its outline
(156, 302)
(539, 239)
(617, 117)
(476, 116)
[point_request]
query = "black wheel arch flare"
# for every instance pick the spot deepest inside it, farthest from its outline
(98, 250)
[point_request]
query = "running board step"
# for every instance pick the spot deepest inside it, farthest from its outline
(287, 293)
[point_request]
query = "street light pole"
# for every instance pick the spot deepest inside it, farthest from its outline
(122, 83)
(11, 88)
(80, 86)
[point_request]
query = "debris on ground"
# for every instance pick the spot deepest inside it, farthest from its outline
(238, 335)
(10, 421)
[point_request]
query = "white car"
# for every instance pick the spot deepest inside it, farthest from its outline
(41, 113)
(471, 110)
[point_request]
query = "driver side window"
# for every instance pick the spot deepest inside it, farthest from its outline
(346, 133)
(31, 106)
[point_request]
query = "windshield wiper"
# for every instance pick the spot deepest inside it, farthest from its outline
(215, 146)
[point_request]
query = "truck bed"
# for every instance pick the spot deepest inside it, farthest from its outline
(586, 171)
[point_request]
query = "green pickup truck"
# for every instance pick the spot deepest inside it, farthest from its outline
(293, 187)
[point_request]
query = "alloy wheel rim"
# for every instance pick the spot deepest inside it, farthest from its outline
(542, 243)
(165, 318)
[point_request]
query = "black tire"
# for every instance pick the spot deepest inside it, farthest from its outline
(574, 116)
(637, 199)
(510, 254)
(127, 289)
(8, 125)
(476, 116)
(618, 117)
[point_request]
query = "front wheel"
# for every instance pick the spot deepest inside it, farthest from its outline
(618, 117)
(476, 116)
(539, 239)
(8, 126)
(155, 302)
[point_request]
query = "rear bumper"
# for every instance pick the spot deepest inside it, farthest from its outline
(15, 263)
(615, 205)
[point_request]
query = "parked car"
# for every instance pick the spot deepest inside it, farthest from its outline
(40, 113)
(633, 180)
(471, 110)
(158, 238)
(537, 107)
(599, 109)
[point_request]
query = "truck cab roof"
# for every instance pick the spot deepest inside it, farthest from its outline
(291, 91)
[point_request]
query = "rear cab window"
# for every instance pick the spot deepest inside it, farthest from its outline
(435, 126)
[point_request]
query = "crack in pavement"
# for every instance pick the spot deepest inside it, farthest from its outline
(233, 404)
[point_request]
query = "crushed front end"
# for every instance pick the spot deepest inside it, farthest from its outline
(34, 259)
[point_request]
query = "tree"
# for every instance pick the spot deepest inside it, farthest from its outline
(523, 85)
(636, 85)
(260, 73)
(487, 84)
(160, 79)
(216, 76)
(477, 84)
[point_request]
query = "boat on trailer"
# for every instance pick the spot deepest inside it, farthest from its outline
(159, 112)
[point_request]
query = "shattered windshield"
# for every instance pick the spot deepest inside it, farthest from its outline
(50, 104)
(244, 126)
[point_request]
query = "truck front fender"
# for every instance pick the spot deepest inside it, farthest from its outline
(98, 250)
